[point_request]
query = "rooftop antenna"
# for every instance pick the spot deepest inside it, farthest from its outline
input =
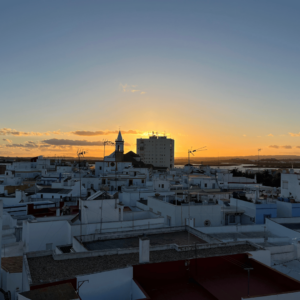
(108, 143)
(191, 151)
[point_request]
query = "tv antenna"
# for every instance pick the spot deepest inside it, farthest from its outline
(106, 143)
(80, 154)
(191, 151)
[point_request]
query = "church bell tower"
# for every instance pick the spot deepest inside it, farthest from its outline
(119, 151)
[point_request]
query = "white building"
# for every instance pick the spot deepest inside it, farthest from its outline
(290, 185)
(157, 150)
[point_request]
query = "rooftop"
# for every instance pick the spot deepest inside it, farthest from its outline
(58, 292)
(223, 278)
(45, 269)
(54, 191)
(12, 264)
(242, 235)
(179, 238)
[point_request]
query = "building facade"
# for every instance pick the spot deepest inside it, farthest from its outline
(157, 150)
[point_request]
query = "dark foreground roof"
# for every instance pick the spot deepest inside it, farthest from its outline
(58, 292)
(45, 269)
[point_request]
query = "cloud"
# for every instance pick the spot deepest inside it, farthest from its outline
(283, 147)
(26, 145)
(7, 140)
(274, 146)
(294, 134)
(8, 131)
(66, 142)
(30, 145)
(270, 134)
(125, 87)
(130, 88)
(102, 132)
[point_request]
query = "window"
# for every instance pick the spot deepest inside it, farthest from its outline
(205, 185)
(232, 219)
(162, 185)
(143, 181)
(207, 223)
(100, 168)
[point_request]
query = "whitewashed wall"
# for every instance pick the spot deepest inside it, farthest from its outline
(115, 284)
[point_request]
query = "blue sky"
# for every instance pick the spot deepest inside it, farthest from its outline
(220, 73)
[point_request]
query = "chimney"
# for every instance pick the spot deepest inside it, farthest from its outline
(144, 249)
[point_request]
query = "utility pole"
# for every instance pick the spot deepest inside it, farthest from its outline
(190, 151)
(80, 153)
(258, 150)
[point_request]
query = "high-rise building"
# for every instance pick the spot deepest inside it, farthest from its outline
(157, 150)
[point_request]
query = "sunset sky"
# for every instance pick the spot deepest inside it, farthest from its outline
(221, 74)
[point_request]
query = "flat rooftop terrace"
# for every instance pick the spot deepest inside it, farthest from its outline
(179, 238)
(44, 269)
(242, 235)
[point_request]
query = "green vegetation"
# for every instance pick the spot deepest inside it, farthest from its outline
(265, 177)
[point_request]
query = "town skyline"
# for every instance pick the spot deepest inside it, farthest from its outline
(53, 143)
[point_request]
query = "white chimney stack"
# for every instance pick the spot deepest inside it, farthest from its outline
(144, 249)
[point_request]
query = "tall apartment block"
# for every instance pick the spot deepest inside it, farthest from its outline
(157, 150)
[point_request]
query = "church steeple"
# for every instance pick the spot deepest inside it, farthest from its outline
(119, 143)
(119, 139)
